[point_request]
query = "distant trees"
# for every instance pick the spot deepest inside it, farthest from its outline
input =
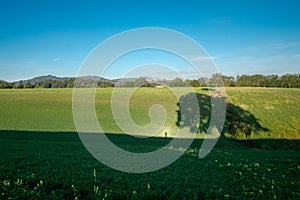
(142, 82)
(139, 82)
(290, 81)
(228, 80)
(195, 83)
(126, 83)
(20, 85)
(6, 85)
(256, 80)
(28, 85)
(178, 82)
(105, 84)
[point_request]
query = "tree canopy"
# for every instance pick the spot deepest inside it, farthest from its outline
(256, 80)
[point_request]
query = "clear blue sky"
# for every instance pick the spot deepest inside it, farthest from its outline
(54, 37)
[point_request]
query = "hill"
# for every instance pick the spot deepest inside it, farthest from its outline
(45, 78)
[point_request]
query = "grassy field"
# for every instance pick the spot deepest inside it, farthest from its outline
(43, 158)
(50, 165)
(276, 111)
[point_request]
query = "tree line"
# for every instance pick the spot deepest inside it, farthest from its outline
(68, 83)
(257, 80)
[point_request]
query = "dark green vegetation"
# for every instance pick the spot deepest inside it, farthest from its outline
(43, 158)
(43, 165)
(257, 80)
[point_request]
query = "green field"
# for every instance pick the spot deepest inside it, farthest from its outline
(277, 111)
(43, 157)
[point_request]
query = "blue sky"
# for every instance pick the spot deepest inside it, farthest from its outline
(54, 37)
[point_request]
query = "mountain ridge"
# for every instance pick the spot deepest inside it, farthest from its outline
(45, 78)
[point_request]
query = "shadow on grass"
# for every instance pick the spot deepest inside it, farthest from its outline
(135, 144)
(55, 165)
(239, 123)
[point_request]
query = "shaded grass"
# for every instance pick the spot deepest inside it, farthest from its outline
(52, 165)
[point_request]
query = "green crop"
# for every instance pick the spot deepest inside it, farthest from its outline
(43, 158)
(50, 165)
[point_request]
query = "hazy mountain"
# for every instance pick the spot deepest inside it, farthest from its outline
(44, 79)
(55, 78)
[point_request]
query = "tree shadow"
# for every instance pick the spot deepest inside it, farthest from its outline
(239, 123)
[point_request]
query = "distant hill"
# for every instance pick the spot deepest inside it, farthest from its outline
(256, 80)
(94, 78)
(55, 78)
(45, 78)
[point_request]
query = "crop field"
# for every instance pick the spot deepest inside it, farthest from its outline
(43, 158)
